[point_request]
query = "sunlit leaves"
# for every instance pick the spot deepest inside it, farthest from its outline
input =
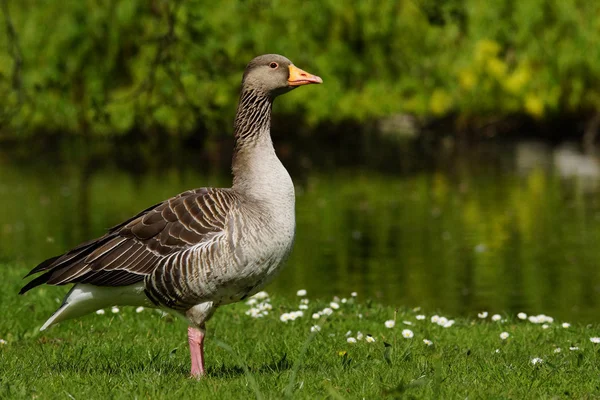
(377, 59)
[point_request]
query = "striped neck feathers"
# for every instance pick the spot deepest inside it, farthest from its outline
(257, 171)
(252, 120)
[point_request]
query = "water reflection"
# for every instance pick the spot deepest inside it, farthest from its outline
(566, 159)
(498, 228)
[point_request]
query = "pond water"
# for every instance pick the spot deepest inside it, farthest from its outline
(497, 227)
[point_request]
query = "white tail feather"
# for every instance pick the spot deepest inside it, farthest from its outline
(83, 299)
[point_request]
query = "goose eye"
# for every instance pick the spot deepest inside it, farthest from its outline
(273, 65)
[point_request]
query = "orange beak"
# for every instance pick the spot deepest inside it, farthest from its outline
(299, 77)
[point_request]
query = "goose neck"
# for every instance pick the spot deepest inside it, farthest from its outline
(257, 171)
(252, 119)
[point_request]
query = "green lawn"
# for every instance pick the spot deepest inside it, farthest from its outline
(144, 355)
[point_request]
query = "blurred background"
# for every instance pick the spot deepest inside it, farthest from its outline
(449, 161)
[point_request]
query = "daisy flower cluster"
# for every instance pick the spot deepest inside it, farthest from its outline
(292, 315)
(540, 319)
(409, 334)
(333, 306)
(495, 317)
(260, 305)
(359, 336)
(442, 321)
(327, 311)
(535, 319)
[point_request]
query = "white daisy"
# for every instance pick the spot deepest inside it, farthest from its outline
(540, 319)
(557, 350)
(334, 305)
(536, 360)
(522, 315)
(428, 342)
(315, 328)
(566, 325)
(316, 316)
(420, 317)
(390, 323)
(407, 333)
(359, 335)
(449, 323)
(595, 339)
(370, 339)
(327, 311)
(504, 335)
(301, 292)
(261, 295)
(115, 310)
(285, 317)
(351, 340)
(139, 309)
(254, 313)
(496, 317)
(482, 314)
(100, 312)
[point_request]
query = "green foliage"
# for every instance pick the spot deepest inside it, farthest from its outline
(110, 67)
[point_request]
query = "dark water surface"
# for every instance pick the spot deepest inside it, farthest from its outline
(503, 228)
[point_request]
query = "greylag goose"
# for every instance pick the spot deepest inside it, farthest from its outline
(203, 248)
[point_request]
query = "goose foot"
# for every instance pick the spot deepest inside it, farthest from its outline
(196, 342)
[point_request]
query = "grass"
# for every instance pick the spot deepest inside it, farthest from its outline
(145, 355)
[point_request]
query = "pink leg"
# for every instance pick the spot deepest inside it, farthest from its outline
(196, 341)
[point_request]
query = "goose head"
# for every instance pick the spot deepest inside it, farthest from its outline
(273, 75)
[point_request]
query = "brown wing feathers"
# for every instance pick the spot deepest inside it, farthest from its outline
(132, 249)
